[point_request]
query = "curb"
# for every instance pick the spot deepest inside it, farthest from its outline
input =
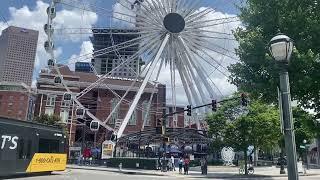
(118, 171)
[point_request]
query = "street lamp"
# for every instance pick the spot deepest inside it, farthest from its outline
(281, 47)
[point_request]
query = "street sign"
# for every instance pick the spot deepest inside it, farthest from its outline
(302, 147)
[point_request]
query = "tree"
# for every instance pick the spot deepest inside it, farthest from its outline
(258, 128)
(256, 72)
(217, 123)
(240, 127)
(51, 120)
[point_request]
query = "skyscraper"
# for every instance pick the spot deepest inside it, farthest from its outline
(104, 38)
(17, 54)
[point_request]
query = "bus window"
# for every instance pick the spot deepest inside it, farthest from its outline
(48, 146)
(29, 146)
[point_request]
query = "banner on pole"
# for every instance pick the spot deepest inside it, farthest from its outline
(107, 149)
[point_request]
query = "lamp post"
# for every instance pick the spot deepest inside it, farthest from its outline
(281, 47)
(306, 153)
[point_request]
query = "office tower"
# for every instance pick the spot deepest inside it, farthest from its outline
(17, 54)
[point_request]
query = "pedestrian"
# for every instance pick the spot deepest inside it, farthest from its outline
(180, 165)
(186, 165)
(205, 166)
(172, 163)
(202, 165)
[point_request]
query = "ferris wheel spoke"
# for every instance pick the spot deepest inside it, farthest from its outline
(204, 75)
(192, 91)
(147, 67)
(210, 25)
(160, 11)
(142, 87)
(216, 19)
(153, 92)
(193, 7)
(206, 32)
(173, 85)
(209, 47)
(214, 37)
(188, 66)
(200, 71)
(100, 80)
(151, 12)
(205, 40)
(199, 15)
(195, 49)
(140, 17)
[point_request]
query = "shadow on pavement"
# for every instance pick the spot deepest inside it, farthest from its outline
(24, 175)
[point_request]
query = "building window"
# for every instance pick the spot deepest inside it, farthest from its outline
(49, 111)
(115, 115)
(64, 115)
(10, 98)
(50, 100)
(146, 113)
(167, 118)
(133, 118)
(65, 104)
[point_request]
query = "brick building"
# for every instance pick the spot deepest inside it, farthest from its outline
(16, 101)
(99, 101)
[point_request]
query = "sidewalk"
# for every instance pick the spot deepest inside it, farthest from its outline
(213, 172)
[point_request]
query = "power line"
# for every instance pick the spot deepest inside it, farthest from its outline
(4, 19)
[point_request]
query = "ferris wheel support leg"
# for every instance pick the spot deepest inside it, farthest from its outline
(143, 85)
(194, 94)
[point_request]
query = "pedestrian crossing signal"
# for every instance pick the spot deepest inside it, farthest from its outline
(189, 110)
(214, 105)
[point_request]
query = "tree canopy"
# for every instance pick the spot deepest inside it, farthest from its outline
(257, 72)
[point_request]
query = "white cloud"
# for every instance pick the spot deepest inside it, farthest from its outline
(36, 17)
(85, 54)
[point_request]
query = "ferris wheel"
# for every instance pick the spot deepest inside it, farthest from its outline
(178, 35)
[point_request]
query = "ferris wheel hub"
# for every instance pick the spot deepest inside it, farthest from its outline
(174, 23)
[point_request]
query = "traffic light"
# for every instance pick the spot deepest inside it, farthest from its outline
(214, 105)
(159, 122)
(166, 139)
(244, 99)
(189, 110)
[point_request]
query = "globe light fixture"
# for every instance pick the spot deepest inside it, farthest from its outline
(281, 47)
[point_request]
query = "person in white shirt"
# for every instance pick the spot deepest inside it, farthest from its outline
(172, 163)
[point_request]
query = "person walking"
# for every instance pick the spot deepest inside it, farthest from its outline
(172, 163)
(202, 165)
(186, 165)
(180, 165)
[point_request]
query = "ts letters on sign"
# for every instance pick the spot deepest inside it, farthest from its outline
(11, 140)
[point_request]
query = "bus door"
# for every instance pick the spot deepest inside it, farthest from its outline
(25, 152)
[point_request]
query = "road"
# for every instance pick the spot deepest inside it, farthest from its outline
(75, 174)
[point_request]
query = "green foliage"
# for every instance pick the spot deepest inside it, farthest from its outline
(304, 125)
(51, 120)
(259, 127)
(240, 127)
(256, 72)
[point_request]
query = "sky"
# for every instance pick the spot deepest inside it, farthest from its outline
(32, 14)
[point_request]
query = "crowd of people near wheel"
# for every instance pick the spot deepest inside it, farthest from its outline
(183, 165)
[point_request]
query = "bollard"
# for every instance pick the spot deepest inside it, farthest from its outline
(120, 167)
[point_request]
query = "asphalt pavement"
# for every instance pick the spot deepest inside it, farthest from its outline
(82, 174)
